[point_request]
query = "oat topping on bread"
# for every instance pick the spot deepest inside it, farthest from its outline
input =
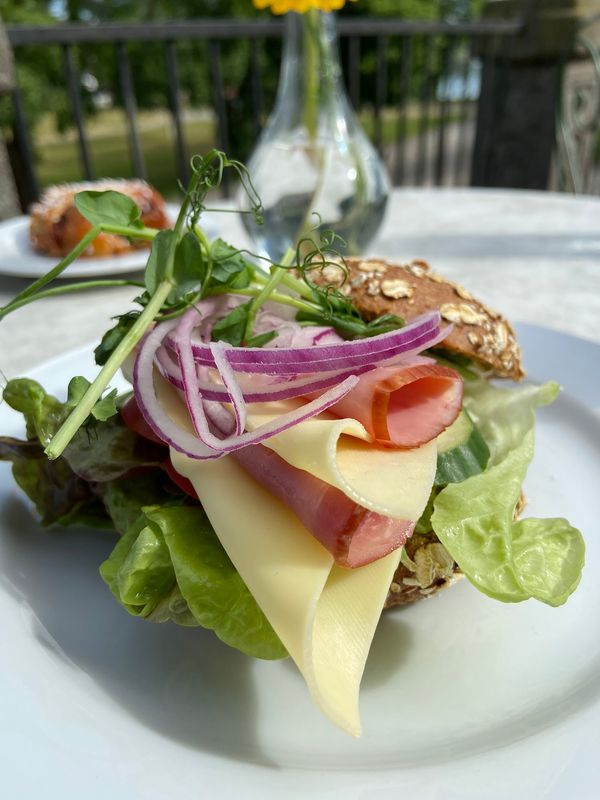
(379, 287)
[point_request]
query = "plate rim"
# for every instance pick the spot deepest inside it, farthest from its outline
(133, 262)
(384, 775)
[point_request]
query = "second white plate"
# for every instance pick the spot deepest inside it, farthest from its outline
(19, 260)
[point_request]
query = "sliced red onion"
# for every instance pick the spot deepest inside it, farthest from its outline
(323, 336)
(293, 368)
(206, 445)
(280, 387)
(271, 391)
(236, 397)
(331, 364)
(342, 355)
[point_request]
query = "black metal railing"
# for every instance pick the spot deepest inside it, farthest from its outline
(415, 84)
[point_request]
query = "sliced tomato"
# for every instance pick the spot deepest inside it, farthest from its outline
(132, 417)
(179, 480)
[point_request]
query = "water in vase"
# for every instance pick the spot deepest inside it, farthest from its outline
(313, 157)
(303, 187)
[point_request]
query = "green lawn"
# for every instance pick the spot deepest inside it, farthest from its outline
(58, 154)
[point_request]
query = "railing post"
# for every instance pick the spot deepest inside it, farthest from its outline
(520, 92)
(9, 203)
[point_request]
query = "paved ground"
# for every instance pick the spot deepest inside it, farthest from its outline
(416, 162)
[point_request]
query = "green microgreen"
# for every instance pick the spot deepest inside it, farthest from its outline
(232, 327)
(109, 208)
(184, 267)
(105, 408)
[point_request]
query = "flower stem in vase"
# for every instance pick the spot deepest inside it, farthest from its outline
(313, 166)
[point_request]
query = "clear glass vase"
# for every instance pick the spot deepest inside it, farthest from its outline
(313, 156)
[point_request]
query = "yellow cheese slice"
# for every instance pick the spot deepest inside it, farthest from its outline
(347, 615)
(325, 615)
(395, 483)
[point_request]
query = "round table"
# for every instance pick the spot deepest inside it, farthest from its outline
(534, 256)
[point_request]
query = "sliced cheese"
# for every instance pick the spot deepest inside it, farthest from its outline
(324, 615)
(395, 483)
(347, 615)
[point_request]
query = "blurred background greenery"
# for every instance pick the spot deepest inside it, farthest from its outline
(41, 79)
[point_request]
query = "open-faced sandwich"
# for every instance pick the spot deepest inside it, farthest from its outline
(300, 449)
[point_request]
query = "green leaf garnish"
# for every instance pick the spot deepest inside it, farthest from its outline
(230, 268)
(78, 386)
(189, 270)
(105, 408)
(261, 339)
(232, 327)
(108, 208)
(156, 268)
(113, 337)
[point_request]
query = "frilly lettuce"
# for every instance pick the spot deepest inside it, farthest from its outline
(170, 565)
(507, 560)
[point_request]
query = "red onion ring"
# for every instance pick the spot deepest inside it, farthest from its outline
(207, 445)
(343, 355)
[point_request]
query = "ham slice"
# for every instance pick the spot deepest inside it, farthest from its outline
(406, 405)
(352, 534)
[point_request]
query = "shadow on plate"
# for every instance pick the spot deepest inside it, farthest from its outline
(390, 649)
(184, 683)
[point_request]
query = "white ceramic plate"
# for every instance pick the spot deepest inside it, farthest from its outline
(463, 697)
(18, 259)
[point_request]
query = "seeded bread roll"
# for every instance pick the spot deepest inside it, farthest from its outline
(379, 287)
(56, 226)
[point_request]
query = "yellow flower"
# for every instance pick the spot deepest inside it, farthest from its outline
(300, 6)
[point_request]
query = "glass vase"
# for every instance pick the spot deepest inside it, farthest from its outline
(313, 166)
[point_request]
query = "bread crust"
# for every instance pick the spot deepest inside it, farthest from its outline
(377, 287)
(56, 226)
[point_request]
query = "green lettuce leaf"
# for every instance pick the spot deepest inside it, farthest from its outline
(60, 497)
(108, 450)
(507, 560)
(102, 451)
(43, 413)
(67, 491)
(139, 571)
(124, 499)
(171, 565)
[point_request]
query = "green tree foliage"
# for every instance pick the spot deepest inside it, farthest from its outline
(41, 73)
(39, 70)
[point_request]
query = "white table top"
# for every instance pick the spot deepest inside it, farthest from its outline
(533, 256)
